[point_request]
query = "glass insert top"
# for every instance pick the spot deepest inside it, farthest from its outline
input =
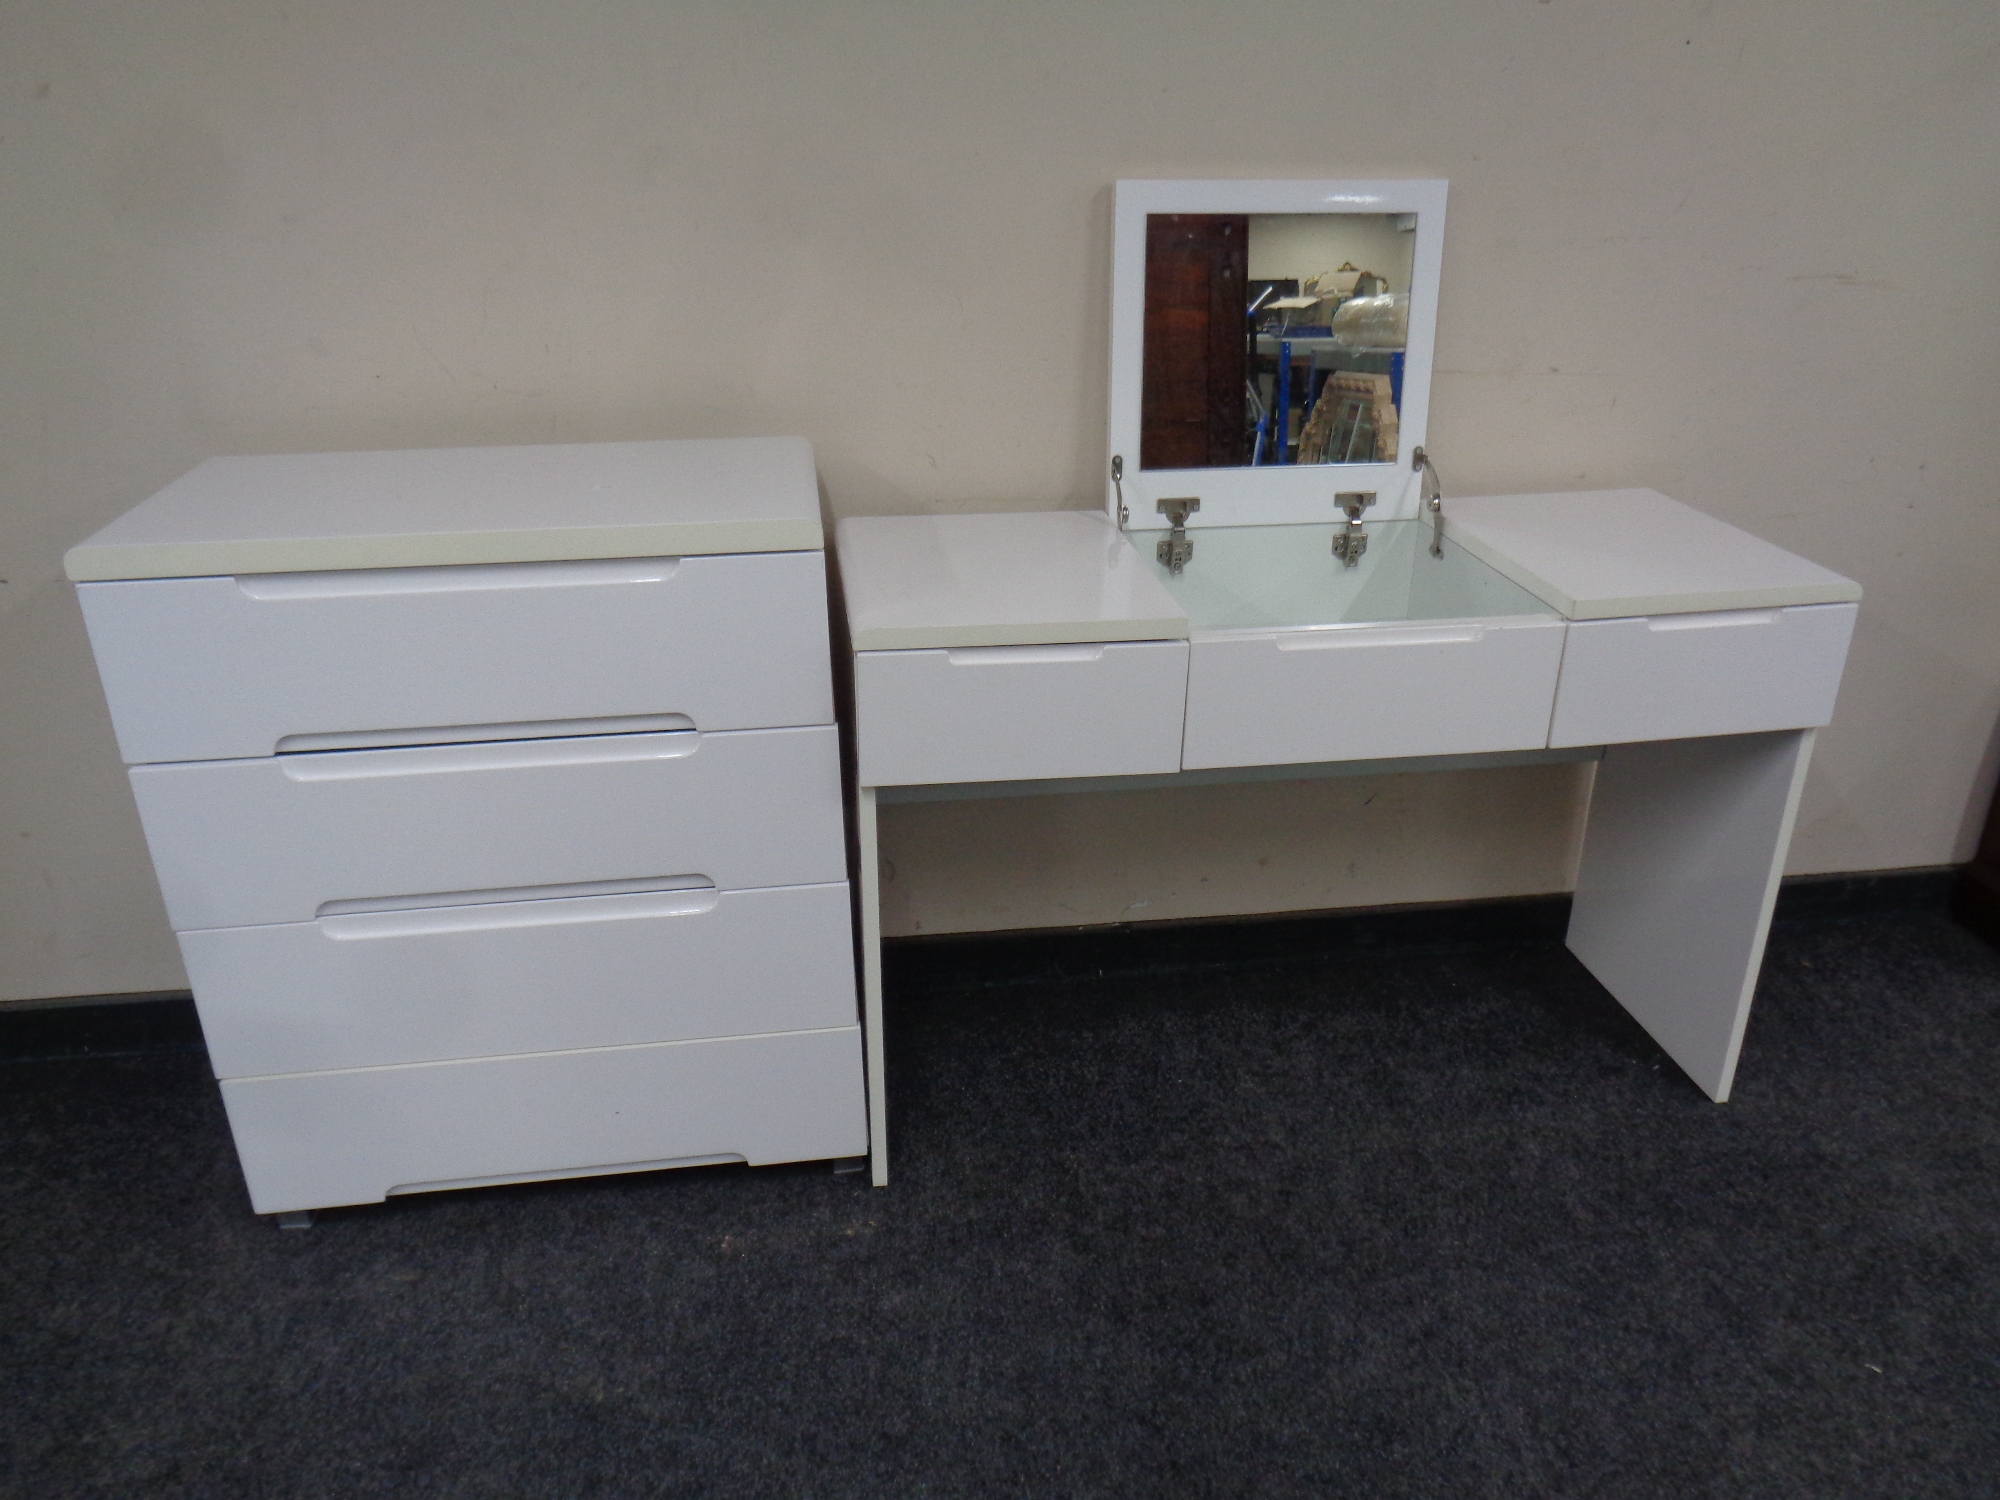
(1286, 577)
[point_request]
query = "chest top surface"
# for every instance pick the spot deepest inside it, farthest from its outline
(1008, 578)
(1601, 554)
(308, 512)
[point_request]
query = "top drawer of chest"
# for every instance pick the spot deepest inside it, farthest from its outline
(225, 667)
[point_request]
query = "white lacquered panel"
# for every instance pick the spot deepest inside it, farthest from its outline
(291, 512)
(1370, 692)
(1012, 578)
(249, 841)
(1677, 879)
(372, 989)
(1724, 672)
(316, 1140)
(1019, 713)
(212, 668)
(1604, 554)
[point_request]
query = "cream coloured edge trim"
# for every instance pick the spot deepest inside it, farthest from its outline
(1026, 633)
(114, 562)
(1690, 604)
(1836, 590)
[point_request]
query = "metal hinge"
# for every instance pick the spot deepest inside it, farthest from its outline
(1351, 541)
(1177, 547)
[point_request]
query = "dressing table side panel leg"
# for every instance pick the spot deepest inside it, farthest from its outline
(1681, 860)
(868, 880)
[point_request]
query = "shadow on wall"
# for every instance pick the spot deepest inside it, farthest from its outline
(1230, 849)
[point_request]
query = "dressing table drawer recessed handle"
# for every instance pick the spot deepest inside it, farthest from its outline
(1712, 619)
(1327, 640)
(988, 656)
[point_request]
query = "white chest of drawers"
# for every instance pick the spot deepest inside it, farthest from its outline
(495, 798)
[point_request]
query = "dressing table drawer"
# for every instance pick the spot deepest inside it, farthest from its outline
(222, 667)
(1666, 677)
(240, 842)
(1019, 713)
(1365, 692)
(559, 973)
(314, 1140)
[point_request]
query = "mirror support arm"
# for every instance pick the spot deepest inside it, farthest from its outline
(1432, 502)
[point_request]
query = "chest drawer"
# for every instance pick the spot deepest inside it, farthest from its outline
(1367, 692)
(313, 1140)
(523, 976)
(1019, 713)
(274, 840)
(221, 667)
(1681, 676)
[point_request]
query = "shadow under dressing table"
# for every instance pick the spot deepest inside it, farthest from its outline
(1228, 621)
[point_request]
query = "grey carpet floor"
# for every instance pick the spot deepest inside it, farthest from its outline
(1432, 1222)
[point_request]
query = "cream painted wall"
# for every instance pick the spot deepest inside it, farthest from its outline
(1741, 252)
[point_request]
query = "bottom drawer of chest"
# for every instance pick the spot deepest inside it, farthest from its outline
(379, 988)
(318, 1140)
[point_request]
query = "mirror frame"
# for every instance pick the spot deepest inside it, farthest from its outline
(1272, 494)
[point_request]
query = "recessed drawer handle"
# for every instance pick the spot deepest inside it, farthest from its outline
(983, 656)
(1712, 619)
(460, 578)
(460, 734)
(644, 885)
(1327, 640)
(510, 755)
(423, 921)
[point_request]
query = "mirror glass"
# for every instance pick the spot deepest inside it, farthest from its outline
(1274, 339)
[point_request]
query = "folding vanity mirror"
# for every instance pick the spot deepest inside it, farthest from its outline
(1270, 387)
(1271, 347)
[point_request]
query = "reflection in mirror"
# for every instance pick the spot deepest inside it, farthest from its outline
(1274, 339)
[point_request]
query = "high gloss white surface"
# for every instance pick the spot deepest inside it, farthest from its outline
(1271, 494)
(521, 976)
(1669, 677)
(1296, 657)
(295, 512)
(1016, 713)
(247, 841)
(213, 668)
(1363, 692)
(868, 894)
(1283, 577)
(316, 1140)
(1016, 578)
(1680, 868)
(1600, 554)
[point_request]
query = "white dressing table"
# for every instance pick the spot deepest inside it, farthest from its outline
(1221, 620)
(1044, 652)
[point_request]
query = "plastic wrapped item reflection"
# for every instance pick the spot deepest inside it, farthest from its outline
(1373, 322)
